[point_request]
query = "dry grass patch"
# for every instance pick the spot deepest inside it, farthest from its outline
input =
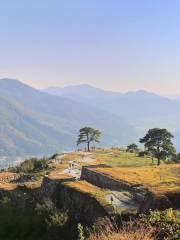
(124, 234)
(74, 156)
(7, 175)
(58, 176)
(57, 166)
(7, 186)
(159, 179)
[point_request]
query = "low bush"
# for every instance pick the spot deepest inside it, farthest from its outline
(157, 225)
(125, 233)
(166, 223)
(33, 164)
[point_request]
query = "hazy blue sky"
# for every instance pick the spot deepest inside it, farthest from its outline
(114, 44)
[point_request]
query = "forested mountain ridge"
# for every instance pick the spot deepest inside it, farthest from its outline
(33, 122)
(142, 109)
(124, 104)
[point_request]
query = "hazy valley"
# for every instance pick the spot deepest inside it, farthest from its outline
(36, 123)
(142, 109)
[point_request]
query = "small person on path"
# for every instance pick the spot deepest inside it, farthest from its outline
(112, 199)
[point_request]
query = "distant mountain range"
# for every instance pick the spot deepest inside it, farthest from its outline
(33, 122)
(174, 96)
(142, 109)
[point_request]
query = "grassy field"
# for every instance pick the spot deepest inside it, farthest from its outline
(129, 167)
(120, 158)
(125, 166)
(112, 157)
(160, 179)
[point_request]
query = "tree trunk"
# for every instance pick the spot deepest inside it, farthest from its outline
(88, 145)
(159, 161)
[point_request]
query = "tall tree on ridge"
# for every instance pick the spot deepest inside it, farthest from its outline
(88, 135)
(158, 143)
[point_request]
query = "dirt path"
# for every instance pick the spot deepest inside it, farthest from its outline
(122, 200)
(86, 159)
(75, 171)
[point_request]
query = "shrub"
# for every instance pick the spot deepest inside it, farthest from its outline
(125, 233)
(33, 164)
(166, 223)
(159, 225)
(80, 232)
(142, 154)
(51, 215)
(133, 148)
(176, 158)
(30, 221)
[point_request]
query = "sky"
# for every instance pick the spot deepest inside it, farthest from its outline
(117, 45)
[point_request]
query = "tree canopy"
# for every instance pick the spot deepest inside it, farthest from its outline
(88, 135)
(158, 142)
(132, 148)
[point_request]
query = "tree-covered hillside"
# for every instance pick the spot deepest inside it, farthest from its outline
(33, 122)
(142, 109)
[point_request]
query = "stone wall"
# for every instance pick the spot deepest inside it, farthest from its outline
(49, 186)
(86, 208)
(146, 198)
(105, 181)
(101, 180)
(79, 205)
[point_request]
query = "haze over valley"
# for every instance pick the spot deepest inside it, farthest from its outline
(35, 122)
(142, 109)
